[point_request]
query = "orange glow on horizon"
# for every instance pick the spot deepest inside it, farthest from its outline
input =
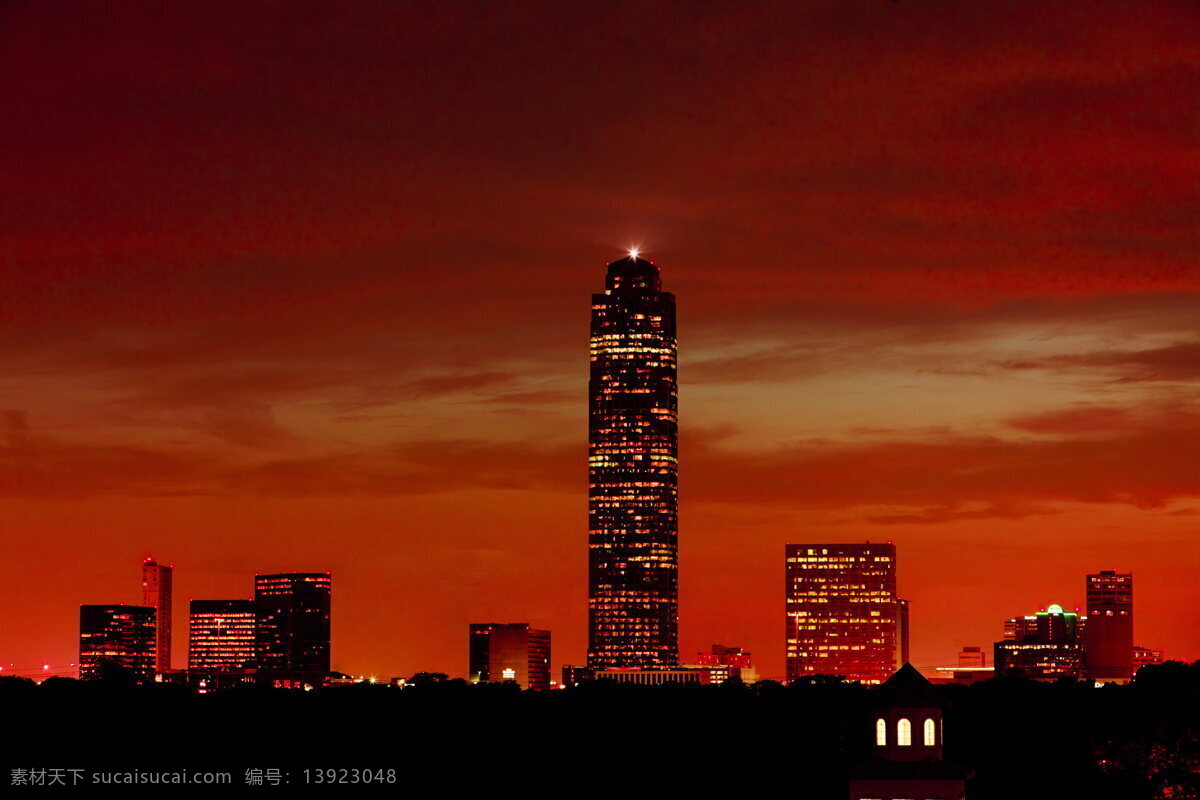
(945, 296)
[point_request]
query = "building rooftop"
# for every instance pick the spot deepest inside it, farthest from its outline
(908, 687)
(633, 272)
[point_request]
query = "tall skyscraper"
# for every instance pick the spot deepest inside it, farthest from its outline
(843, 616)
(156, 592)
(1108, 641)
(510, 652)
(119, 636)
(633, 467)
(220, 635)
(291, 622)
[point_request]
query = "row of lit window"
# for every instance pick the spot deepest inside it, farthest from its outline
(634, 627)
(630, 424)
(621, 460)
(620, 352)
(824, 551)
(839, 596)
(904, 732)
(648, 612)
(825, 624)
(620, 336)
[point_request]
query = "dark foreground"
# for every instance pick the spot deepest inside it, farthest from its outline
(1024, 740)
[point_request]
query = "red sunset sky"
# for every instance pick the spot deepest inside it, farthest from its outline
(306, 286)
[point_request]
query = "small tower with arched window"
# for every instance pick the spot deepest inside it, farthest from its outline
(909, 727)
(907, 739)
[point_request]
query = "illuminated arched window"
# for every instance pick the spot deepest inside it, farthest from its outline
(880, 733)
(930, 733)
(904, 733)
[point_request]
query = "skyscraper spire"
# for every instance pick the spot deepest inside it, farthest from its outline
(633, 467)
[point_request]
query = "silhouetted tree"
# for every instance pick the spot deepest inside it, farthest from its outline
(428, 677)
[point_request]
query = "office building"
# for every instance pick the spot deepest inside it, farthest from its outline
(843, 616)
(972, 668)
(575, 674)
(509, 652)
(117, 638)
(220, 635)
(972, 656)
(291, 625)
(156, 593)
(658, 676)
(735, 662)
(1145, 655)
(1108, 643)
(633, 565)
(1044, 646)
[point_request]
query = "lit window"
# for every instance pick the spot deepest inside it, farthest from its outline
(880, 733)
(930, 733)
(904, 733)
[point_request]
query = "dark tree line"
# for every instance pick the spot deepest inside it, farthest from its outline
(1023, 738)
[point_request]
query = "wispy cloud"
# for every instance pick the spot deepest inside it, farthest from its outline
(1177, 362)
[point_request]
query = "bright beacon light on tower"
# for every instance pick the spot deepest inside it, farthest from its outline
(633, 253)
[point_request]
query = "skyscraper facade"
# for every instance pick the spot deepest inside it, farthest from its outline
(843, 616)
(220, 635)
(1108, 640)
(291, 624)
(117, 636)
(510, 652)
(156, 592)
(633, 467)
